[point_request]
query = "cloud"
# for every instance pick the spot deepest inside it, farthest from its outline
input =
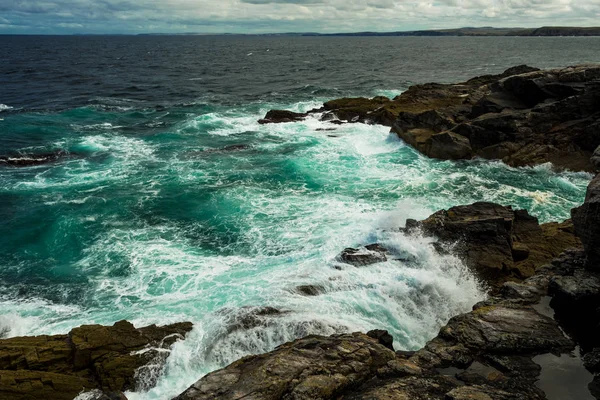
(260, 16)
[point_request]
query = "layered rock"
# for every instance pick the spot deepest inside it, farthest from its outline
(89, 357)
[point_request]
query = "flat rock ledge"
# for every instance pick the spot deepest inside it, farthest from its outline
(523, 116)
(107, 359)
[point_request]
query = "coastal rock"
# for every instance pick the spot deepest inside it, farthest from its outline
(280, 116)
(360, 110)
(364, 256)
(522, 117)
(586, 220)
(498, 242)
(315, 367)
(89, 357)
(448, 146)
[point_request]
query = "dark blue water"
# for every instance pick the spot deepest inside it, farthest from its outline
(140, 208)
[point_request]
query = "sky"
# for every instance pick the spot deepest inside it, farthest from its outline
(272, 16)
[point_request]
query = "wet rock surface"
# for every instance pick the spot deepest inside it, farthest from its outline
(281, 116)
(499, 243)
(363, 256)
(89, 357)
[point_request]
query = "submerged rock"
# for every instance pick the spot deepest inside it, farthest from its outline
(89, 357)
(31, 160)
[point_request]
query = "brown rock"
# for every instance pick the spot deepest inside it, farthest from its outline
(89, 357)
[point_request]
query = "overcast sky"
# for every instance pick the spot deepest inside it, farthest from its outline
(264, 16)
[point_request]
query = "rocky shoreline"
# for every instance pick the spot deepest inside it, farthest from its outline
(524, 342)
(543, 310)
(524, 116)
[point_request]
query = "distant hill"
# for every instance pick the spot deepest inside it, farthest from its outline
(559, 31)
(484, 31)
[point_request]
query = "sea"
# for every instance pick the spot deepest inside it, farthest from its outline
(168, 202)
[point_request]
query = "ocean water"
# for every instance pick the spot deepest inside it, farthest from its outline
(169, 202)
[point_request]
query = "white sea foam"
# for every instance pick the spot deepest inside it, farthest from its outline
(4, 107)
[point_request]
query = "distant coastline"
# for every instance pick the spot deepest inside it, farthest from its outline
(549, 31)
(468, 31)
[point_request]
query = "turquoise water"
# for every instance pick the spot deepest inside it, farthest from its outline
(151, 215)
(172, 226)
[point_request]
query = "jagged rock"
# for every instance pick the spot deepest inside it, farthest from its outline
(587, 223)
(280, 116)
(361, 257)
(497, 241)
(314, 367)
(251, 317)
(89, 357)
(503, 328)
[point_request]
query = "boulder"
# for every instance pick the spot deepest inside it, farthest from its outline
(522, 118)
(586, 220)
(89, 357)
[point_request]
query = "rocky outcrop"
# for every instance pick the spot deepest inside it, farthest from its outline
(279, 116)
(89, 357)
(523, 117)
(587, 223)
(499, 243)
